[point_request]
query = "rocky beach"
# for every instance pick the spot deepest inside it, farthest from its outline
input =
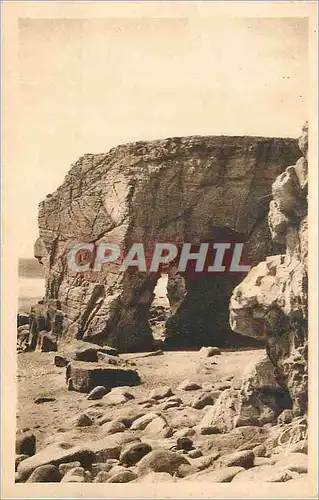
(131, 377)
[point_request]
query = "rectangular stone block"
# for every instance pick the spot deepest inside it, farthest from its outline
(84, 376)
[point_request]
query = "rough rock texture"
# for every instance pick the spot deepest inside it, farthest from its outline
(193, 189)
(271, 303)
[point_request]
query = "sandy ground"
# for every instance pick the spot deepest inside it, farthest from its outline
(38, 376)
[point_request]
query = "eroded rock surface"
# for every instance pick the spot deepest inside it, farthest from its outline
(175, 190)
(272, 301)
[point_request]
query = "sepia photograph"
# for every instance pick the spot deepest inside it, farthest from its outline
(155, 249)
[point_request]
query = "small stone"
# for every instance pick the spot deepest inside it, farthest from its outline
(64, 468)
(158, 428)
(184, 443)
(98, 392)
(195, 453)
(169, 405)
(188, 385)
(206, 461)
(122, 477)
(115, 399)
(140, 423)
(222, 386)
(202, 400)
(47, 342)
(102, 477)
(123, 391)
(25, 443)
(161, 392)
(113, 427)
(207, 430)
(75, 475)
(161, 461)
(43, 399)
(83, 420)
(88, 476)
(238, 459)
(236, 384)
(133, 453)
(207, 352)
(184, 432)
(45, 474)
(185, 470)
(61, 361)
(259, 450)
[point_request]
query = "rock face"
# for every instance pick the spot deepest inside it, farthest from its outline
(194, 189)
(271, 303)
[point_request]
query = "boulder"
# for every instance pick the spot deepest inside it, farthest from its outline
(113, 427)
(25, 443)
(161, 461)
(115, 399)
(223, 413)
(85, 376)
(161, 392)
(184, 443)
(124, 476)
(55, 455)
(126, 414)
(188, 385)
(158, 428)
(207, 352)
(64, 468)
(141, 423)
(204, 399)
(74, 475)
(45, 474)
(230, 180)
(133, 453)
(111, 446)
(243, 459)
(82, 420)
(61, 361)
(47, 342)
(211, 475)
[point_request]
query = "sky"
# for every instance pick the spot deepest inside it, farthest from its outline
(89, 85)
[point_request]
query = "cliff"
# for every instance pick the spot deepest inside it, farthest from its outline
(272, 301)
(173, 190)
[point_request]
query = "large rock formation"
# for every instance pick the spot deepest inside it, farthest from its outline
(193, 189)
(271, 303)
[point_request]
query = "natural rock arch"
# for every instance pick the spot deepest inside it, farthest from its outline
(171, 190)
